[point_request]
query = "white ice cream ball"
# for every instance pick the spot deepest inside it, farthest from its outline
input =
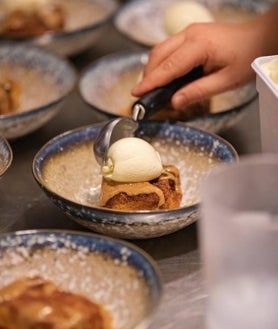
(180, 14)
(132, 160)
(271, 69)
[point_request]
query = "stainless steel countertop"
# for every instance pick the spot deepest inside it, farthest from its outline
(23, 205)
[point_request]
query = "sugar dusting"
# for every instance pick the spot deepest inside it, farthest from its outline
(75, 174)
(194, 165)
(111, 282)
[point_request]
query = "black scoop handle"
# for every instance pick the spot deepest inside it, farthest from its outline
(158, 98)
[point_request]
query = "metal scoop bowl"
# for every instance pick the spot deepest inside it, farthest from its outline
(110, 133)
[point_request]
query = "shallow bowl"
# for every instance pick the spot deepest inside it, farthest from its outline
(105, 86)
(6, 155)
(66, 169)
(116, 274)
(85, 22)
(44, 80)
(142, 21)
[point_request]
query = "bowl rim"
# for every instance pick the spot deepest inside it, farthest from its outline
(51, 55)
(111, 58)
(10, 152)
(51, 36)
(101, 211)
(88, 235)
(125, 8)
(152, 273)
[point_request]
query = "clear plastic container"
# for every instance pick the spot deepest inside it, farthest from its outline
(268, 103)
(238, 232)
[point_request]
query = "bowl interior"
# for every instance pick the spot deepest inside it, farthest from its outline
(66, 166)
(79, 14)
(143, 21)
(6, 155)
(106, 86)
(40, 78)
(119, 276)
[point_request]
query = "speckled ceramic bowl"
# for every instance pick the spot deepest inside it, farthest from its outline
(67, 171)
(105, 86)
(143, 21)
(44, 80)
(85, 22)
(6, 155)
(116, 274)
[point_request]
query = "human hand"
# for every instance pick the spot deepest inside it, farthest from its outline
(225, 51)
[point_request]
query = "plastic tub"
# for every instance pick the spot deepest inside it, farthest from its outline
(268, 104)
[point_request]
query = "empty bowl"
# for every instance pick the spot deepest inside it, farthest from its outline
(6, 155)
(66, 169)
(143, 21)
(84, 22)
(105, 86)
(38, 82)
(115, 274)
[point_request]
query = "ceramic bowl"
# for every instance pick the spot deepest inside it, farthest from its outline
(44, 80)
(6, 155)
(85, 22)
(116, 274)
(66, 169)
(142, 21)
(105, 86)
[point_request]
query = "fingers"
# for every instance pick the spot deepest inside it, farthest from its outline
(158, 55)
(199, 44)
(165, 68)
(162, 51)
(204, 88)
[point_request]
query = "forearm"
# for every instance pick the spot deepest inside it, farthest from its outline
(267, 29)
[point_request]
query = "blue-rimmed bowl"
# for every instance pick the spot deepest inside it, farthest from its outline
(142, 21)
(85, 22)
(105, 86)
(66, 169)
(6, 155)
(44, 79)
(116, 274)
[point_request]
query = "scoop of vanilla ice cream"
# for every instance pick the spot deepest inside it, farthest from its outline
(271, 69)
(178, 15)
(131, 160)
(12, 5)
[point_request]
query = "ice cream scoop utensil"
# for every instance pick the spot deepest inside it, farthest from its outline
(110, 133)
(158, 98)
(143, 108)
